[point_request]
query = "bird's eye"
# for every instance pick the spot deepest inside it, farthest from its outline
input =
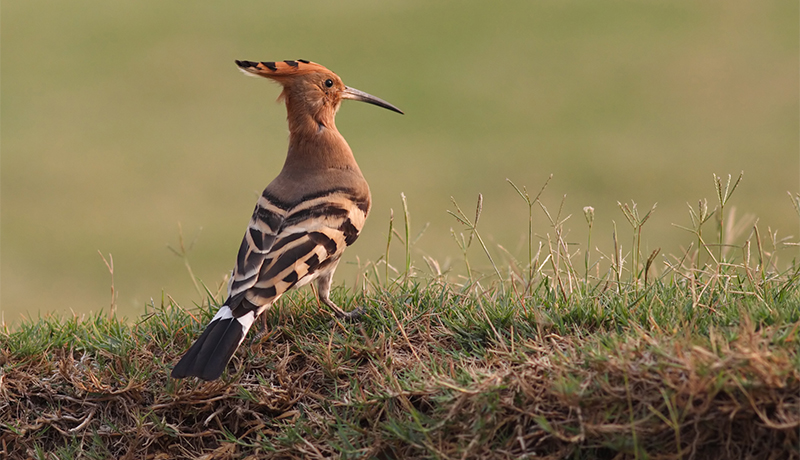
(329, 83)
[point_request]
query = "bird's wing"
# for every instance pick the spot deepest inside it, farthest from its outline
(286, 248)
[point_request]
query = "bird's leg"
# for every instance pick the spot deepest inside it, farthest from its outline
(262, 330)
(324, 288)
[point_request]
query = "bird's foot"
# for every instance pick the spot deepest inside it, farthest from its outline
(260, 335)
(263, 331)
(352, 315)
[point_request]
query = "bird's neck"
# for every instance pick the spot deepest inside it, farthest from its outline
(314, 141)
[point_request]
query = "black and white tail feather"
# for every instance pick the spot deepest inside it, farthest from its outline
(286, 245)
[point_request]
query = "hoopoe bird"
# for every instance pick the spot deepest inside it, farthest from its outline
(304, 219)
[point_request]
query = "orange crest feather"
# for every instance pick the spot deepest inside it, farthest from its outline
(280, 69)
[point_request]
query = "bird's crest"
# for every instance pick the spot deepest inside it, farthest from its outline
(280, 69)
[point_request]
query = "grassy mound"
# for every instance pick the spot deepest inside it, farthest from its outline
(691, 357)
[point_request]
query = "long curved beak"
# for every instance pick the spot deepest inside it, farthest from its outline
(356, 95)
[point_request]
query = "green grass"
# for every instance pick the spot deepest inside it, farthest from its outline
(688, 356)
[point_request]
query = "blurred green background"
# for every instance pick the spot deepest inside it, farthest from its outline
(122, 120)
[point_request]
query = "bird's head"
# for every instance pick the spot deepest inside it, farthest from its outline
(310, 88)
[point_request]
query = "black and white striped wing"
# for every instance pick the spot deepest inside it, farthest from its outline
(311, 236)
